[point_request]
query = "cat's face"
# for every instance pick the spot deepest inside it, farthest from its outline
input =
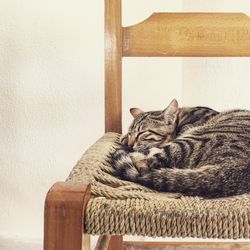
(152, 128)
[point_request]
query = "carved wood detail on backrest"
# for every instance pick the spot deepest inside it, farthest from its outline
(189, 34)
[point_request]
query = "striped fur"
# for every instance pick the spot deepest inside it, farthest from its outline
(200, 152)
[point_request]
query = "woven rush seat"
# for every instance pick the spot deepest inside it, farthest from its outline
(122, 207)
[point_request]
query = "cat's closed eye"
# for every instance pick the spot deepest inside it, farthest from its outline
(124, 139)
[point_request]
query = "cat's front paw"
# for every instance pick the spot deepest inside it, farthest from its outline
(124, 166)
(155, 158)
(145, 162)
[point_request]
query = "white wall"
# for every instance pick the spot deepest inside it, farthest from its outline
(51, 92)
(149, 83)
(51, 85)
(222, 83)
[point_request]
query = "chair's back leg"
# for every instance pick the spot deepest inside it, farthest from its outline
(115, 242)
(109, 242)
(113, 66)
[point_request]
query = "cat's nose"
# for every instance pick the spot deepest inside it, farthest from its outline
(131, 143)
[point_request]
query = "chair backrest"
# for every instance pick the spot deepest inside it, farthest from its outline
(166, 34)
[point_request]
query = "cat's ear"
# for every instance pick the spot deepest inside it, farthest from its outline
(172, 110)
(135, 112)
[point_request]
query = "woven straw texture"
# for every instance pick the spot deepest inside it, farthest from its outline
(121, 207)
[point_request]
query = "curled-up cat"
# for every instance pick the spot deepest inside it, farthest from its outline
(194, 151)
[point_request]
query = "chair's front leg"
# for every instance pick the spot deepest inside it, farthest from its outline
(63, 217)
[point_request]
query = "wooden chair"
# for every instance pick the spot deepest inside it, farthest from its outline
(162, 34)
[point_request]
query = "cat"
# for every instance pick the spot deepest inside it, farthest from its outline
(195, 151)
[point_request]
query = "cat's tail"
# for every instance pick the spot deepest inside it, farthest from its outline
(208, 181)
(123, 165)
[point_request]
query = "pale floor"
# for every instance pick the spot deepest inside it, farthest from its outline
(18, 244)
(7, 244)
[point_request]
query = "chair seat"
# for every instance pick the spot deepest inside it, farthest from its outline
(122, 207)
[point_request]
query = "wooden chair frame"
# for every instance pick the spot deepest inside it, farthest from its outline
(162, 34)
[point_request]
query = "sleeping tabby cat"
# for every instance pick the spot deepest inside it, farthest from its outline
(194, 151)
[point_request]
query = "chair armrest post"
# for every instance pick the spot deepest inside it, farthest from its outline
(63, 216)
